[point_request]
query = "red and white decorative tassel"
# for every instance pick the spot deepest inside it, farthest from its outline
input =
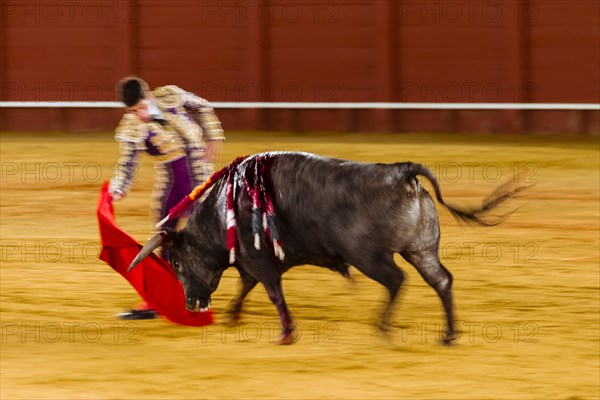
(259, 190)
(231, 223)
(254, 192)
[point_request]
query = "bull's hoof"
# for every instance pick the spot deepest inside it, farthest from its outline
(231, 319)
(288, 336)
(449, 339)
(386, 332)
(384, 328)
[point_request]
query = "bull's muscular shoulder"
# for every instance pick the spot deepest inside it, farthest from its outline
(168, 96)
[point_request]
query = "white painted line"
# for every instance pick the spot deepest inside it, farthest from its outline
(321, 106)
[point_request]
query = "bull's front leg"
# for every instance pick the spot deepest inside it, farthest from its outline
(247, 283)
(275, 292)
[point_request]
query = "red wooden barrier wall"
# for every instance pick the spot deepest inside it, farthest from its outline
(309, 50)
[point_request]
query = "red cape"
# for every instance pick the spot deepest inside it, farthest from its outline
(154, 278)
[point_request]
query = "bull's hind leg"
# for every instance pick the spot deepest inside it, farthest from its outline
(438, 277)
(382, 268)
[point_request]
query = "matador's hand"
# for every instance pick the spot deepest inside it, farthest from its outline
(116, 196)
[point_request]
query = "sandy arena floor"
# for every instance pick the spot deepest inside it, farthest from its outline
(527, 291)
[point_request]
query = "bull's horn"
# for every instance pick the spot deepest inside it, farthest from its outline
(148, 248)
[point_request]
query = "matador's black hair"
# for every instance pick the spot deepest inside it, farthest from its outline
(131, 90)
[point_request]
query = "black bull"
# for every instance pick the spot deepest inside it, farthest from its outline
(331, 213)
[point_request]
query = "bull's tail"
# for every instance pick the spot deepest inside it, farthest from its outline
(504, 192)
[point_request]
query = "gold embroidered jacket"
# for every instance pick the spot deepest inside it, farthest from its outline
(186, 122)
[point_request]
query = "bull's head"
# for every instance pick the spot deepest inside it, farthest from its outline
(196, 269)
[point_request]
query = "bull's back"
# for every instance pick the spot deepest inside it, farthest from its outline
(333, 205)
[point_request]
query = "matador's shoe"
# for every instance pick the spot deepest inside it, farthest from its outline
(137, 314)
